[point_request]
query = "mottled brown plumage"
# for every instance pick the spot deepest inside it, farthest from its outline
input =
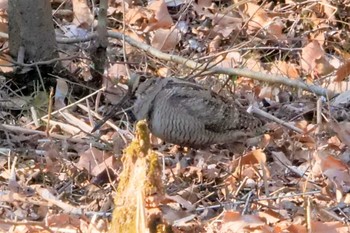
(188, 114)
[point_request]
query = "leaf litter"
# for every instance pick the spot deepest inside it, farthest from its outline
(284, 182)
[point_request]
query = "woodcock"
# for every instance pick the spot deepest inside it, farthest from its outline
(187, 114)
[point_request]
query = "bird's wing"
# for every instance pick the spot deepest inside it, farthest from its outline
(205, 107)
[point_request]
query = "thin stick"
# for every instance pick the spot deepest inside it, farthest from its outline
(319, 114)
(262, 113)
(259, 199)
(49, 113)
(70, 105)
(41, 133)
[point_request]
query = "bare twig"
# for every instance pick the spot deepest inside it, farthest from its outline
(262, 113)
(277, 79)
(49, 111)
(72, 104)
(319, 114)
(41, 133)
(47, 62)
(259, 199)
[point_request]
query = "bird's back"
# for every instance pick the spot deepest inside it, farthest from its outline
(187, 114)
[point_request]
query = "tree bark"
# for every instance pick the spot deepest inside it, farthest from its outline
(31, 27)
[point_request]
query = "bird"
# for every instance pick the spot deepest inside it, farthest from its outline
(188, 114)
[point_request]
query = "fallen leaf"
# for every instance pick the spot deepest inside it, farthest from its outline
(162, 18)
(313, 59)
(82, 14)
(166, 39)
(343, 72)
(286, 68)
(234, 220)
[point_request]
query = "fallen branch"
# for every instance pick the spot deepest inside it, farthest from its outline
(276, 79)
(271, 78)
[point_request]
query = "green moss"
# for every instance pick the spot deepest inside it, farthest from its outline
(141, 176)
(124, 219)
(154, 182)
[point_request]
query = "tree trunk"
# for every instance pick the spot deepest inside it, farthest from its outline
(31, 26)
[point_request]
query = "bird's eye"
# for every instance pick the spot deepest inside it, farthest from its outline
(142, 78)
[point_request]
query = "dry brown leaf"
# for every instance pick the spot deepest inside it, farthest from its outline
(115, 90)
(93, 160)
(234, 220)
(107, 163)
(341, 181)
(286, 68)
(335, 170)
(313, 59)
(343, 71)
(334, 141)
(326, 161)
(319, 36)
(343, 131)
(265, 140)
(164, 72)
(274, 29)
(310, 53)
(61, 92)
(329, 9)
(117, 71)
(204, 3)
(5, 65)
(323, 67)
(224, 24)
(63, 220)
(162, 18)
(269, 92)
(166, 39)
(253, 63)
(138, 17)
(82, 14)
(231, 60)
(270, 216)
(296, 228)
(258, 16)
(259, 19)
(254, 157)
(329, 227)
(307, 140)
(214, 45)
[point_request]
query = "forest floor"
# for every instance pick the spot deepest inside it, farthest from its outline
(57, 176)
